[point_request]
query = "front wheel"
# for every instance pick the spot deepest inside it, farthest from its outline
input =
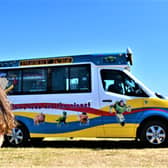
(19, 137)
(154, 133)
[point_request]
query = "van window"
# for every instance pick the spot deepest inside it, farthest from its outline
(69, 79)
(59, 79)
(118, 82)
(79, 78)
(34, 80)
(14, 77)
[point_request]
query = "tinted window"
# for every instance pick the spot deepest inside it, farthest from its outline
(79, 79)
(62, 79)
(59, 79)
(70, 79)
(14, 77)
(118, 82)
(34, 80)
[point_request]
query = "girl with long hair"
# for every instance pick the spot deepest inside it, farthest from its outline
(7, 121)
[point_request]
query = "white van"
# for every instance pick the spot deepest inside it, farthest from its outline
(83, 96)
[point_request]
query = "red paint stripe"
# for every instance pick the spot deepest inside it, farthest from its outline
(73, 107)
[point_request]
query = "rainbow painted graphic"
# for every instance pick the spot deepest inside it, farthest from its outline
(81, 120)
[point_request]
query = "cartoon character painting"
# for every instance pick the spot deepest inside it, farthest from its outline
(62, 119)
(39, 118)
(120, 107)
(83, 118)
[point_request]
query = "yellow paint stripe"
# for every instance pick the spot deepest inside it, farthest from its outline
(109, 130)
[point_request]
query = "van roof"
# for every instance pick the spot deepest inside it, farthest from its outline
(97, 59)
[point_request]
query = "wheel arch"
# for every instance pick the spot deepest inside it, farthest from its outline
(20, 123)
(150, 118)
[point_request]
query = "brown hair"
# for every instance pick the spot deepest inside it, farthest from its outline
(7, 121)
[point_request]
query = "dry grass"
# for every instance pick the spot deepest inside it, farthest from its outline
(83, 157)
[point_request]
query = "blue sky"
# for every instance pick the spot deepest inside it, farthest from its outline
(42, 28)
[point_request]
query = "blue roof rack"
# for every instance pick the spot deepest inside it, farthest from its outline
(97, 59)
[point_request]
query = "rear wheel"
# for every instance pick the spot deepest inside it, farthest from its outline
(18, 137)
(154, 133)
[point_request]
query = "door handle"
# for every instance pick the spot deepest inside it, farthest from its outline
(107, 101)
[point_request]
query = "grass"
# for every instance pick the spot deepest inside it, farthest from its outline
(74, 155)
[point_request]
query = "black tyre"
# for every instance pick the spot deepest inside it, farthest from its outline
(18, 138)
(154, 133)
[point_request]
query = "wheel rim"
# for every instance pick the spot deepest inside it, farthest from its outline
(156, 134)
(16, 137)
